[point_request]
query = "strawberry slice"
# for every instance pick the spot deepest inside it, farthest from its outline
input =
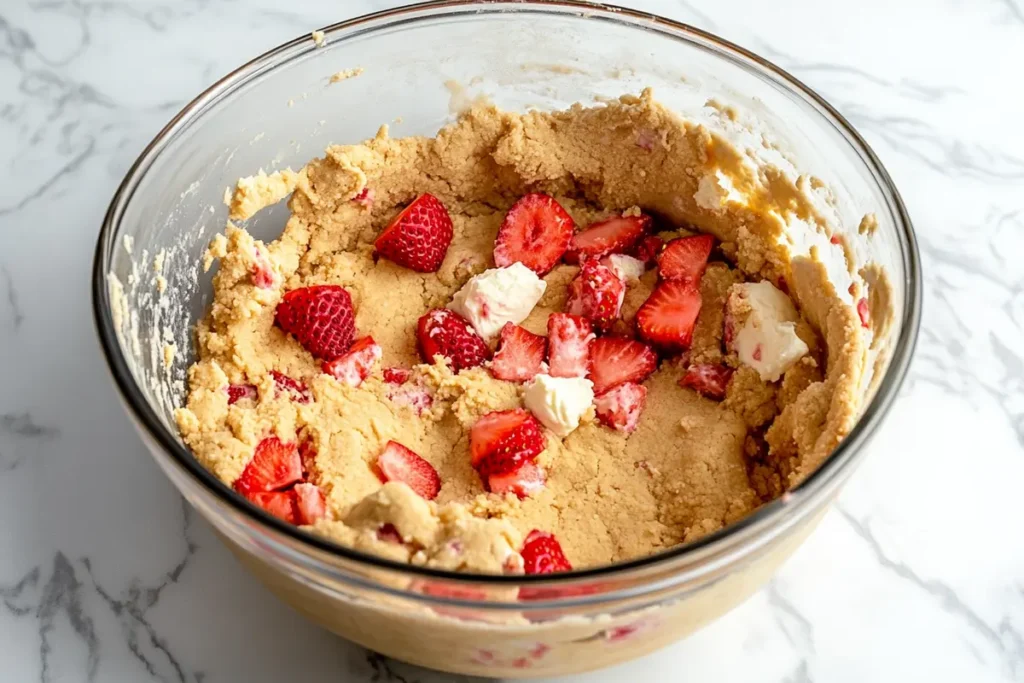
(667, 318)
(520, 355)
(614, 360)
(864, 312)
(418, 237)
(309, 503)
(237, 392)
(647, 249)
(569, 340)
(501, 442)
(389, 533)
(414, 396)
(617, 234)
(542, 554)
(398, 463)
(262, 271)
(274, 466)
(443, 332)
(284, 384)
(684, 259)
(320, 317)
(357, 364)
(536, 232)
(397, 375)
(523, 482)
(596, 294)
(281, 504)
(620, 407)
(707, 379)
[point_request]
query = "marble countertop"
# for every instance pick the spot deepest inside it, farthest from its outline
(916, 574)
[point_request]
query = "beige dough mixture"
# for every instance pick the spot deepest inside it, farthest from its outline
(694, 465)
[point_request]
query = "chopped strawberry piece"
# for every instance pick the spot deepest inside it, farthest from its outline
(569, 340)
(398, 463)
(389, 533)
(542, 554)
(684, 259)
(413, 395)
(617, 234)
(274, 466)
(307, 456)
(418, 237)
(596, 294)
(667, 318)
(707, 379)
(236, 392)
(520, 355)
(298, 390)
(620, 407)
(364, 198)
(648, 248)
(320, 317)
(357, 364)
(536, 232)
(397, 375)
(864, 311)
(443, 332)
(836, 239)
(263, 271)
(281, 504)
(614, 360)
(502, 441)
(309, 503)
(523, 482)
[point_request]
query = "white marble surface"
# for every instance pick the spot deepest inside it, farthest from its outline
(918, 574)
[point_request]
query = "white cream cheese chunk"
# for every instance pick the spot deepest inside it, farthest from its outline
(498, 296)
(766, 340)
(559, 402)
(625, 267)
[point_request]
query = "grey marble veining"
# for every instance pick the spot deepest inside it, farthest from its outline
(105, 574)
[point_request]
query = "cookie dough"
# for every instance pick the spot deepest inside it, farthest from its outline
(692, 466)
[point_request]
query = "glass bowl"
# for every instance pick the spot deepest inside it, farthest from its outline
(421, 63)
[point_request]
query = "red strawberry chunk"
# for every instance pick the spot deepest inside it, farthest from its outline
(307, 456)
(389, 534)
(309, 503)
(667, 318)
(536, 232)
(398, 463)
(263, 271)
(443, 332)
(647, 249)
(523, 482)
(397, 375)
(414, 396)
(236, 392)
(864, 311)
(357, 364)
(620, 408)
(596, 294)
(281, 504)
(684, 259)
(617, 234)
(320, 317)
(707, 379)
(614, 360)
(542, 554)
(502, 441)
(569, 340)
(418, 237)
(364, 198)
(284, 384)
(274, 466)
(520, 355)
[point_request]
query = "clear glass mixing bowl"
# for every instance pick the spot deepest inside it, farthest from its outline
(420, 64)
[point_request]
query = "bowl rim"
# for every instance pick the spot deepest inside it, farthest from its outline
(771, 515)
